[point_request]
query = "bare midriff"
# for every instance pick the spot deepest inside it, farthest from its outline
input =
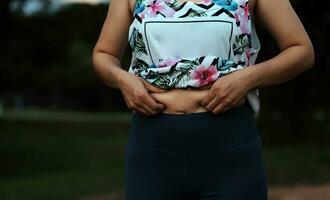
(182, 101)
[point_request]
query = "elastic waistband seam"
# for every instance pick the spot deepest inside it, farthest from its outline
(245, 140)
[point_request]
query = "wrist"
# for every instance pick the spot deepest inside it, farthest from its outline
(119, 77)
(251, 77)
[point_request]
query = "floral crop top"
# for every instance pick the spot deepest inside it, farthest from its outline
(189, 44)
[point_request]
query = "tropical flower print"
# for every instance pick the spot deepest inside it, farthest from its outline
(241, 43)
(227, 4)
(203, 1)
(151, 8)
(248, 56)
(139, 7)
(207, 1)
(154, 6)
(184, 72)
(137, 43)
(172, 4)
(204, 75)
(242, 18)
(195, 71)
(167, 62)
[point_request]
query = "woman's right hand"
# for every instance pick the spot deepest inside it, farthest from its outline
(135, 91)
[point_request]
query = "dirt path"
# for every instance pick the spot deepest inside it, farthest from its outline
(300, 192)
(297, 192)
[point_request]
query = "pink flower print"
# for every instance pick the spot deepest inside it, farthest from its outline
(206, 1)
(168, 62)
(142, 15)
(246, 10)
(240, 2)
(242, 16)
(158, 6)
(204, 75)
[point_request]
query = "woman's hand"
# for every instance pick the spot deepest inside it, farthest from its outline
(227, 92)
(135, 91)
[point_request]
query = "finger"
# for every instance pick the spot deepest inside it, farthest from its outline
(151, 87)
(206, 86)
(126, 101)
(206, 100)
(226, 108)
(150, 102)
(154, 89)
(220, 108)
(140, 109)
(213, 103)
(139, 105)
(146, 107)
(241, 101)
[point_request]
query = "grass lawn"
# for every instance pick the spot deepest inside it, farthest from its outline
(67, 156)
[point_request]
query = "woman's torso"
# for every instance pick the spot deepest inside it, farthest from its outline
(169, 38)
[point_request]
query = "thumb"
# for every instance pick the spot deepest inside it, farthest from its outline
(151, 87)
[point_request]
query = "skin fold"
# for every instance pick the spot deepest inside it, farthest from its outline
(180, 101)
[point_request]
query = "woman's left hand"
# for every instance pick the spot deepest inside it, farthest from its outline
(227, 92)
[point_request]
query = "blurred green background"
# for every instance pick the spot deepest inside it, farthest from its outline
(63, 132)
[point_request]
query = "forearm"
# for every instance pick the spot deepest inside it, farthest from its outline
(286, 65)
(108, 69)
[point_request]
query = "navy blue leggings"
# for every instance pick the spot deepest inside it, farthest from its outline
(195, 156)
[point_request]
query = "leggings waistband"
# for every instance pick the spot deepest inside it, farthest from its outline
(193, 132)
